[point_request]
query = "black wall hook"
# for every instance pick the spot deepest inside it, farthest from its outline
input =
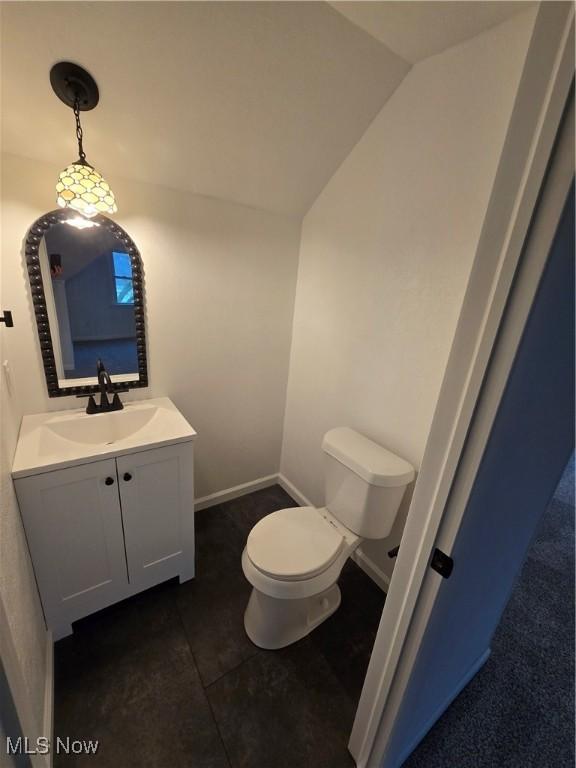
(7, 318)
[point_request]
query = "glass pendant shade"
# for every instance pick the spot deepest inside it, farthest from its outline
(82, 188)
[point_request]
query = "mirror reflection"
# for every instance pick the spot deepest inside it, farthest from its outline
(87, 276)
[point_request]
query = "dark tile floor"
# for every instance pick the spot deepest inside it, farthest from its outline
(169, 678)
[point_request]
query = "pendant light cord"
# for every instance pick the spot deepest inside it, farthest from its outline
(79, 133)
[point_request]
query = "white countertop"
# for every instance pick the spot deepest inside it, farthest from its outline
(60, 439)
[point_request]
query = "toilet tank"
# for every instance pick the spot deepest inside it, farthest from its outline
(364, 482)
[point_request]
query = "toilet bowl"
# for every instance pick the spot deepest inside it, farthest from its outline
(293, 557)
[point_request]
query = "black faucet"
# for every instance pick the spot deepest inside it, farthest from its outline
(105, 386)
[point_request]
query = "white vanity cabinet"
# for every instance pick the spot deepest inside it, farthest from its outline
(102, 531)
(73, 524)
(157, 500)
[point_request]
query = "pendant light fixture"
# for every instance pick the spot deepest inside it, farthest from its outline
(80, 186)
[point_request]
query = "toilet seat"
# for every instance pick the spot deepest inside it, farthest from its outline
(294, 544)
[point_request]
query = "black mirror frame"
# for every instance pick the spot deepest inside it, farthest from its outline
(31, 250)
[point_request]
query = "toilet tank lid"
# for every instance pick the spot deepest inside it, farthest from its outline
(370, 461)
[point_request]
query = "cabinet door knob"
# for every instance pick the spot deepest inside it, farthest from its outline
(109, 481)
(127, 476)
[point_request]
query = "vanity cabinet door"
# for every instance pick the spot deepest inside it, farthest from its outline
(73, 526)
(157, 494)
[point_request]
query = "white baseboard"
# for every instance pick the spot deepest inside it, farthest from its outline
(204, 502)
(476, 667)
(371, 569)
(48, 725)
(291, 490)
(234, 493)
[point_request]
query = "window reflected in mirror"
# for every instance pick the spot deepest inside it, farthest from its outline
(123, 278)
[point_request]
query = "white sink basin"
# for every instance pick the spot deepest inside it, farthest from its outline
(62, 439)
(102, 428)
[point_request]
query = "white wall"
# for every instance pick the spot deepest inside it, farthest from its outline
(23, 637)
(385, 255)
(219, 285)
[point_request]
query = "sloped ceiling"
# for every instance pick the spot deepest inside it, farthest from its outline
(254, 102)
(415, 30)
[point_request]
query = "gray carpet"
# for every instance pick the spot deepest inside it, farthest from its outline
(518, 712)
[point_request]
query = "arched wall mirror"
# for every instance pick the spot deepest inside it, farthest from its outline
(88, 294)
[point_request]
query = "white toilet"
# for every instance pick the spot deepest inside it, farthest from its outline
(293, 557)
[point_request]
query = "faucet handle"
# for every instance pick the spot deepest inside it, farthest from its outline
(117, 404)
(91, 407)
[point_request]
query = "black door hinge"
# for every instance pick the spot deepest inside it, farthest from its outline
(7, 318)
(441, 563)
